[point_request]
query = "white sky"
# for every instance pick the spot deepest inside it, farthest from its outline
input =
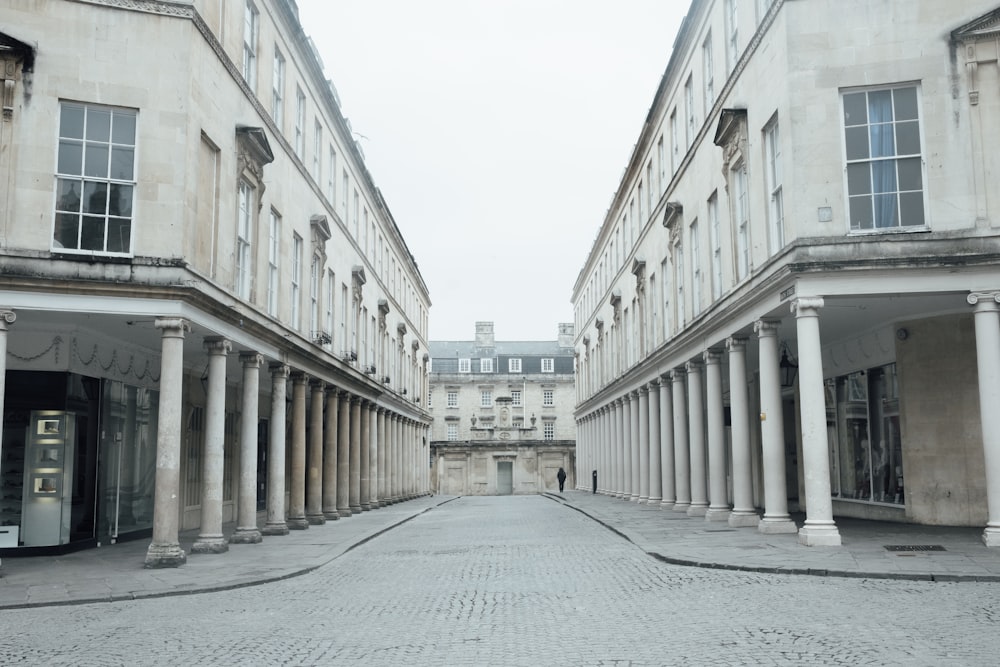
(498, 131)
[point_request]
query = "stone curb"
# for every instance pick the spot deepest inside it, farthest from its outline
(851, 574)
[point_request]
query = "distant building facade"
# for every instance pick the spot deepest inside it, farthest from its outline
(792, 303)
(206, 306)
(502, 414)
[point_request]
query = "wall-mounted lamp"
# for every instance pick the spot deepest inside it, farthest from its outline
(788, 368)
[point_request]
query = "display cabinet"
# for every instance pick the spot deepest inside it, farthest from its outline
(48, 475)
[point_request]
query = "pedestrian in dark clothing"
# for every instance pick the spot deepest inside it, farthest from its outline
(561, 476)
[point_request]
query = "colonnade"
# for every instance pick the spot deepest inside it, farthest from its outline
(663, 441)
(353, 455)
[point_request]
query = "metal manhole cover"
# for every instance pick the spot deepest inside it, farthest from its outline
(914, 547)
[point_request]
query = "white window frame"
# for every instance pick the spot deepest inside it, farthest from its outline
(675, 146)
(331, 305)
(318, 152)
(679, 272)
(695, 268)
(315, 273)
(692, 121)
(715, 231)
(251, 31)
(486, 365)
(665, 291)
(516, 398)
(732, 35)
(452, 432)
(300, 123)
(772, 173)
(273, 262)
(331, 177)
(244, 234)
(514, 365)
(296, 282)
(548, 430)
(548, 365)
(451, 399)
(661, 158)
(548, 397)
(485, 398)
(741, 214)
(708, 72)
(278, 90)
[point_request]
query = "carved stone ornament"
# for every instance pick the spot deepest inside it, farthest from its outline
(731, 137)
(253, 152)
(320, 232)
(980, 41)
(358, 280)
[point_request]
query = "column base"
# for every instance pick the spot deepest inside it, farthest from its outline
(246, 536)
(819, 534)
(643, 500)
(164, 555)
(375, 504)
(331, 515)
(777, 525)
(743, 519)
(344, 512)
(210, 544)
(297, 523)
(667, 504)
(697, 509)
(655, 502)
(274, 529)
(634, 498)
(681, 506)
(316, 519)
(717, 514)
(991, 536)
(366, 507)
(356, 509)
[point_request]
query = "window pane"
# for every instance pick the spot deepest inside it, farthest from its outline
(95, 198)
(96, 161)
(119, 235)
(859, 179)
(70, 157)
(68, 195)
(861, 213)
(120, 202)
(884, 176)
(909, 174)
(911, 208)
(855, 109)
(123, 130)
(906, 103)
(857, 143)
(886, 211)
(121, 163)
(908, 138)
(67, 226)
(92, 233)
(71, 121)
(883, 143)
(98, 125)
(879, 106)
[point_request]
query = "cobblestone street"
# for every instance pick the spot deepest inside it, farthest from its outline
(522, 581)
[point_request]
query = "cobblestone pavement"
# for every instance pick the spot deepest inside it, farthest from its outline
(522, 581)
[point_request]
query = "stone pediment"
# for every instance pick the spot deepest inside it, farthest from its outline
(320, 233)
(984, 27)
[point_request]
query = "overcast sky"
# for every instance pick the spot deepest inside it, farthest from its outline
(498, 132)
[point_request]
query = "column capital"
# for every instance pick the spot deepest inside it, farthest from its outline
(317, 384)
(381, 409)
(643, 389)
(736, 342)
(677, 375)
(173, 327)
(983, 300)
(217, 345)
(654, 384)
(807, 306)
(712, 357)
(300, 377)
(251, 359)
(355, 399)
(693, 366)
(765, 328)
(279, 370)
(7, 316)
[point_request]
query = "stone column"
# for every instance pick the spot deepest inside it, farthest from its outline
(246, 516)
(667, 475)
(644, 458)
(744, 513)
(373, 456)
(627, 472)
(776, 518)
(165, 549)
(621, 446)
(344, 456)
(696, 440)
(718, 490)
(355, 455)
(7, 317)
(314, 456)
(364, 462)
(604, 466)
(987, 326)
(297, 496)
(655, 461)
(382, 444)
(210, 538)
(819, 528)
(408, 458)
(682, 453)
(330, 431)
(634, 445)
(275, 524)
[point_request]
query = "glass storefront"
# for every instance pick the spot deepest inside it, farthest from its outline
(866, 450)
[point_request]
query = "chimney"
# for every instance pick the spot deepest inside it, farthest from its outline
(566, 334)
(484, 335)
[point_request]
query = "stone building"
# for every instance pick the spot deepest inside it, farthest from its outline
(207, 306)
(792, 303)
(503, 414)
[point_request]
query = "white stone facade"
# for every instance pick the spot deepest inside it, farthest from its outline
(180, 188)
(815, 198)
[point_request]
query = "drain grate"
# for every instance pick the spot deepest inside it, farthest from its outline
(914, 547)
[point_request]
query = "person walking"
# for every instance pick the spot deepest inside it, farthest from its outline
(561, 476)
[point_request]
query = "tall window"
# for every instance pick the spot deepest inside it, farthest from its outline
(665, 291)
(884, 161)
(548, 365)
(661, 160)
(515, 398)
(300, 123)
(318, 152)
(650, 200)
(548, 430)
(357, 217)
(297, 281)
(251, 21)
(95, 179)
(679, 272)
(331, 286)
(716, 240)
(243, 236)
(732, 35)
(548, 397)
(675, 146)
(641, 221)
(452, 399)
(485, 365)
(315, 271)
(273, 256)
(692, 122)
(772, 171)
(513, 365)
(486, 398)
(741, 212)
(695, 269)
(464, 365)
(452, 432)
(343, 315)
(331, 178)
(278, 90)
(708, 73)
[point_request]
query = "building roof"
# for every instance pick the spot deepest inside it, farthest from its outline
(467, 349)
